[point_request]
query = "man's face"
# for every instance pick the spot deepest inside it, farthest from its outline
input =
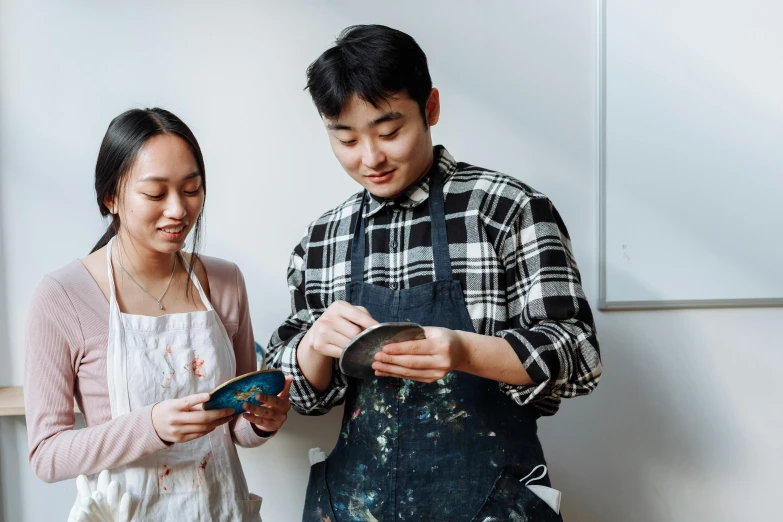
(385, 149)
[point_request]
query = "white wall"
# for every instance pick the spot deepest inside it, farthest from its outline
(684, 426)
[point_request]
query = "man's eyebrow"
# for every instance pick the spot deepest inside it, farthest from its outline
(338, 126)
(389, 116)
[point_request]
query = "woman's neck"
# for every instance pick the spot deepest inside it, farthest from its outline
(148, 264)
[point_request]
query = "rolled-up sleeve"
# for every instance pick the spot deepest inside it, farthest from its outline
(285, 341)
(550, 324)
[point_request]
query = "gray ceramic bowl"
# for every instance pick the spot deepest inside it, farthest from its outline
(358, 356)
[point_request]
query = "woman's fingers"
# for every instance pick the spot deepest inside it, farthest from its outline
(189, 402)
(202, 417)
(273, 402)
(203, 428)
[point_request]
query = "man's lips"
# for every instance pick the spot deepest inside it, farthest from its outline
(380, 176)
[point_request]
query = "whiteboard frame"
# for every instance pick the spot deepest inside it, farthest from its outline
(603, 302)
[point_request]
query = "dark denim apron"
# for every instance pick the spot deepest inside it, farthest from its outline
(453, 450)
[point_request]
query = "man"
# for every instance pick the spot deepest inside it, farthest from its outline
(447, 428)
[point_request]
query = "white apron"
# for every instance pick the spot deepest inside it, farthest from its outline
(151, 359)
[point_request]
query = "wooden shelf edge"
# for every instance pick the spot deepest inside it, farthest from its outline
(12, 401)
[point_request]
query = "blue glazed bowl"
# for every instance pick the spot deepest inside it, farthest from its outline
(242, 389)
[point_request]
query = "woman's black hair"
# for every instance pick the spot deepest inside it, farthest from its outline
(373, 62)
(126, 135)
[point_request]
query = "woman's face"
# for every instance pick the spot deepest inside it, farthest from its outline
(162, 196)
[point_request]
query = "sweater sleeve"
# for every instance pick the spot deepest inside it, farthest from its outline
(242, 430)
(53, 344)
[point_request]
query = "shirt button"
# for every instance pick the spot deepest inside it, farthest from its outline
(393, 286)
(394, 243)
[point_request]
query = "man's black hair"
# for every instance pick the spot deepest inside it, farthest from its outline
(374, 62)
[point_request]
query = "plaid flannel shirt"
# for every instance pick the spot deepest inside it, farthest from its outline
(510, 251)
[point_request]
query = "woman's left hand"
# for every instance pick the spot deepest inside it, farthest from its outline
(272, 413)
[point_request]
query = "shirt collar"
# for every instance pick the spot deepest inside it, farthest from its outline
(417, 193)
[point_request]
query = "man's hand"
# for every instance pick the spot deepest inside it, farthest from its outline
(426, 360)
(325, 340)
(340, 323)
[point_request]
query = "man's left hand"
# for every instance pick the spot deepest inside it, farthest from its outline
(426, 360)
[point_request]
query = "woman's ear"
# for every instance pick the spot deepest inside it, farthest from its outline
(110, 202)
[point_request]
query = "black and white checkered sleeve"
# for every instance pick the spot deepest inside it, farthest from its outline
(285, 340)
(551, 326)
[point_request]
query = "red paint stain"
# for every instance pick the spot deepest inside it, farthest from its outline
(356, 413)
(162, 476)
(167, 376)
(196, 366)
(201, 472)
(205, 461)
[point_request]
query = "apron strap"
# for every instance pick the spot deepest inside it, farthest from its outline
(440, 242)
(357, 245)
(115, 361)
(112, 290)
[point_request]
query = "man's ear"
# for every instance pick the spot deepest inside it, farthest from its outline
(432, 108)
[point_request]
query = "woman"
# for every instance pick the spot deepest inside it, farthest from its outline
(138, 331)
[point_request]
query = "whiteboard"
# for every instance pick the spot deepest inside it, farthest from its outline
(690, 153)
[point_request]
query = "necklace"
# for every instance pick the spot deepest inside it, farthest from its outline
(160, 305)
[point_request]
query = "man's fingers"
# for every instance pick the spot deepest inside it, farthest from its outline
(330, 350)
(419, 362)
(419, 347)
(337, 338)
(407, 373)
(359, 316)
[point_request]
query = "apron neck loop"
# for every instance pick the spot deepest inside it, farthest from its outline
(440, 242)
(539, 477)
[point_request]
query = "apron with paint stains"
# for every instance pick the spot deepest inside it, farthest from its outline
(451, 450)
(151, 359)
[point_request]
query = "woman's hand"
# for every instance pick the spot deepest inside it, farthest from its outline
(184, 419)
(273, 412)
